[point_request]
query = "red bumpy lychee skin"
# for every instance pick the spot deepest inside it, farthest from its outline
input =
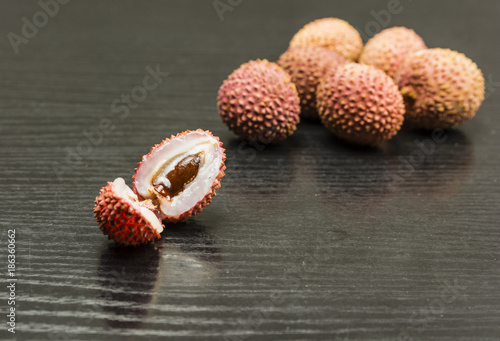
(259, 102)
(441, 88)
(389, 48)
(307, 65)
(333, 33)
(123, 218)
(360, 104)
(207, 183)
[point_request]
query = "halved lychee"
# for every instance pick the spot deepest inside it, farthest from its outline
(125, 219)
(180, 175)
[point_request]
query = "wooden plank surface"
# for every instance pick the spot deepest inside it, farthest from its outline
(308, 239)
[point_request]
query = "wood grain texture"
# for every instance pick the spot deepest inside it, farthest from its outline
(308, 239)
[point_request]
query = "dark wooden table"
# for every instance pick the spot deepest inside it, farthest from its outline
(311, 238)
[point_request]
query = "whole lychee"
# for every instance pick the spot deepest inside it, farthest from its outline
(259, 102)
(307, 65)
(441, 88)
(181, 174)
(360, 104)
(334, 34)
(387, 49)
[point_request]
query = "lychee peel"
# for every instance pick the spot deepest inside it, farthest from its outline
(332, 33)
(123, 218)
(259, 102)
(360, 104)
(307, 65)
(388, 49)
(205, 160)
(441, 88)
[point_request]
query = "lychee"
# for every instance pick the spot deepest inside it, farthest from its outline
(307, 65)
(387, 49)
(180, 175)
(360, 104)
(125, 219)
(259, 102)
(441, 88)
(334, 34)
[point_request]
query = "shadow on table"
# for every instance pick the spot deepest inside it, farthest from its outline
(361, 179)
(190, 256)
(433, 166)
(129, 277)
(255, 170)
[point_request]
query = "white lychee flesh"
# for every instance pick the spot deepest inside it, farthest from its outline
(165, 157)
(144, 208)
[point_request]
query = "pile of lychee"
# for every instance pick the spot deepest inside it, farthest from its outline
(360, 93)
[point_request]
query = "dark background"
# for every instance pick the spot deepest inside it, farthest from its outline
(311, 238)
